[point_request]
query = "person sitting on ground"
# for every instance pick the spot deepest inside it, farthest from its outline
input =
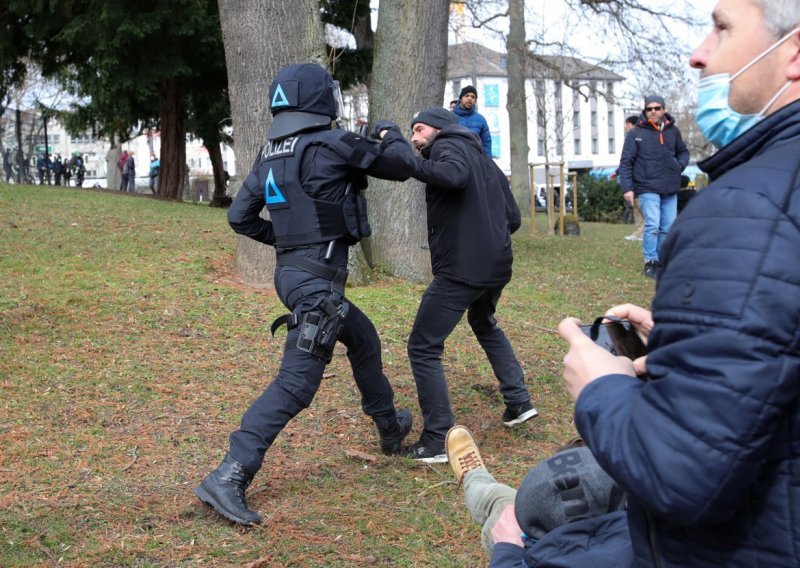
(567, 511)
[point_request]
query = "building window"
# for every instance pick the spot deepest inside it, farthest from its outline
(85, 138)
(595, 149)
(576, 121)
(51, 139)
(541, 116)
(612, 138)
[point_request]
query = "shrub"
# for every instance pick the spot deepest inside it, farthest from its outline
(600, 200)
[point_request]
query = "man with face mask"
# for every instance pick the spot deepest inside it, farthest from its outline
(708, 448)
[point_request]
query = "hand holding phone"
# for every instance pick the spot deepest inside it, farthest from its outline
(617, 336)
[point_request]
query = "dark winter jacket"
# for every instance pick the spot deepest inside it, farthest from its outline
(471, 211)
(599, 542)
(709, 449)
(475, 121)
(653, 159)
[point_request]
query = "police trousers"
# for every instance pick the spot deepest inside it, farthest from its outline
(300, 373)
(441, 308)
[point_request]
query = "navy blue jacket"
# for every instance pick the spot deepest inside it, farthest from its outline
(708, 450)
(471, 211)
(599, 542)
(475, 121)
(653, 159)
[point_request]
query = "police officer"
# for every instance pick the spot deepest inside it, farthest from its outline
(309, 176)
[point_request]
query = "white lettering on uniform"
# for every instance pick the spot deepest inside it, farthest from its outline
(282, 147)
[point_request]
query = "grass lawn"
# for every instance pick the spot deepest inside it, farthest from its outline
(128, 352)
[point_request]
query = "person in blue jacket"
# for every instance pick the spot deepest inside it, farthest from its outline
(653, 157)
(468, 115)
(566, 513)
(708, 448)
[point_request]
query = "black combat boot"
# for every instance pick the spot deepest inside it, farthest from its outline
(223, 489)
(392, 437)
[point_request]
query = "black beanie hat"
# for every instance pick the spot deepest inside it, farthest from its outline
(436, 117)
(468, 89)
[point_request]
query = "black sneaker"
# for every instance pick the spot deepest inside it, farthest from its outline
(391, 440)
(651, 269)
(426, 452)
(518, 414)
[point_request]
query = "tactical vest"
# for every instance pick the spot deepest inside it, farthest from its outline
(298, 218)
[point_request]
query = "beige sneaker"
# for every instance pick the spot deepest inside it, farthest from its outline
(462, 452)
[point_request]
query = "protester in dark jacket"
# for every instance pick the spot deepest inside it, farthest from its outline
(58, 170)
(471, 215)
(708, 449)
(130, 172)
(653, 157)
(468, 115)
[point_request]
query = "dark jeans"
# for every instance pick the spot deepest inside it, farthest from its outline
(441, 308)
(301, 373)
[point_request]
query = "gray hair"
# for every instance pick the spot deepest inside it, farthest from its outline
(781, 16)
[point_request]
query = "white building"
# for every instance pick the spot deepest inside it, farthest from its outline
(573, 114)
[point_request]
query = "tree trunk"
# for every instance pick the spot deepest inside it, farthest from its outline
(172, 118)
(260, 38)
(410, 58)
(113, 175)
(220, 197)
(517, 107)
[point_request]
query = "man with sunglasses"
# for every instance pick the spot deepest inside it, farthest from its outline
(653, 157)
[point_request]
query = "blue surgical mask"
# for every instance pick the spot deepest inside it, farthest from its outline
(718, 122)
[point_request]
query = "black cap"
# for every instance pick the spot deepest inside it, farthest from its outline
(468, 89)
(301, 97)
(436, 117)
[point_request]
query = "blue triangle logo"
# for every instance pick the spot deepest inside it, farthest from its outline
(279, 98)
(274, 194)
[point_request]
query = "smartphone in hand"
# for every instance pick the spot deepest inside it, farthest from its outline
(616, 336)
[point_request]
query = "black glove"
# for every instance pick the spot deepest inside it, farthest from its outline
(380, 126)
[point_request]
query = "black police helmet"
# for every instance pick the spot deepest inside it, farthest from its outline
(301, 98)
